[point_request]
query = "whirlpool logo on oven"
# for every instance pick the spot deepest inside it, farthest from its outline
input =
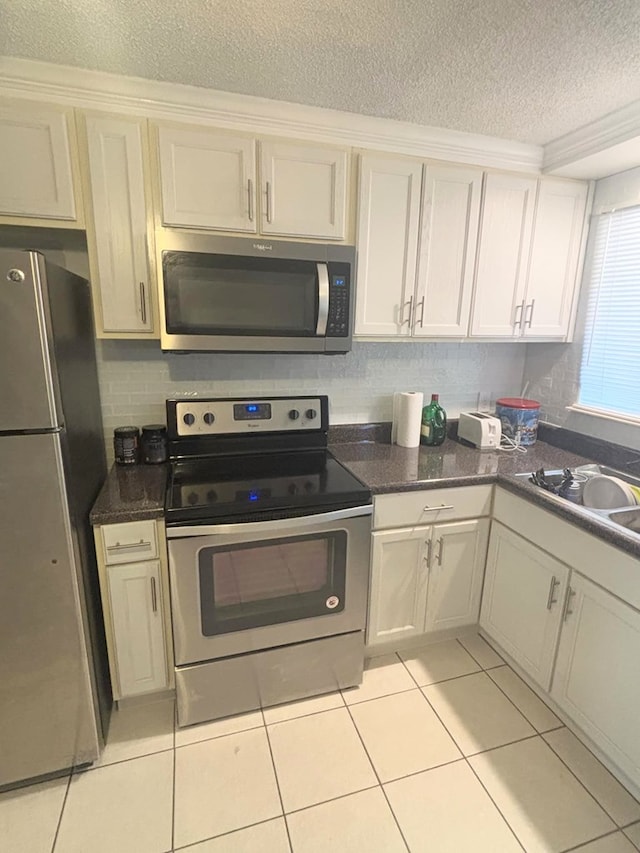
(263, 247)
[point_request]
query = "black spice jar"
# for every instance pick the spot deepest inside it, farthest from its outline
(126, 445)
(154, 444)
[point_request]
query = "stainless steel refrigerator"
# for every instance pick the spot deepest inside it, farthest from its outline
(54, 686)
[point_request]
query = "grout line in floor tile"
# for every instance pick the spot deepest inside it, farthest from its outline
(472, 656)
(518, 709)
(384, 793)
(583, 844)
(92, 768)
(382, 696)
(333, 799)
(469, 765)
(597, 802)
(64, 802)
(441, 680)
(225, 834)
(217, 737)
(633, 822)
(275, 775)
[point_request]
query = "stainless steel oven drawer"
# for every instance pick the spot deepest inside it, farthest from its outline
(208, 691)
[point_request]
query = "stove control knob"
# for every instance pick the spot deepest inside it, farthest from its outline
(308, 487)
(209, 418)
(189, 419)
(294, 414)
(293, 489)
(311, 413)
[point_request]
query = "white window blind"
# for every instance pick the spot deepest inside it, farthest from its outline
(610, 370)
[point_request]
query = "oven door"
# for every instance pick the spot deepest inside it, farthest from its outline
(238, 588)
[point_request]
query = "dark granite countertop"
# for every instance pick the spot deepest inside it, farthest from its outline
(138, 492)
(131, 493)
(387, 468)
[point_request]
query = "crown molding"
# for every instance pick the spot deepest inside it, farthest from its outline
(61, 84)
(619, 128)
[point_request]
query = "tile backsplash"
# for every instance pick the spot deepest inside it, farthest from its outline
(136, 377)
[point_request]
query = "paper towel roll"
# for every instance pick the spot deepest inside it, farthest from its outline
(407, 416)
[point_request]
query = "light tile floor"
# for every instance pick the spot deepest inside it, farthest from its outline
(440, 749)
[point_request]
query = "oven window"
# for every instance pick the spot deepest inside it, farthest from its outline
(266, 583)
(227, 295)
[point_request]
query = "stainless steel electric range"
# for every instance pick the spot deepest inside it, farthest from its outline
(269, 543)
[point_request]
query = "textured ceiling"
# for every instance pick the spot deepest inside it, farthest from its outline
(530, 70)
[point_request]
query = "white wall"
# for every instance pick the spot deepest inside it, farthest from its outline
(553, 370)
(136, 377)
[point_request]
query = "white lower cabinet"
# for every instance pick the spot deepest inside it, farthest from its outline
(458, 552)
(399, 576)
(135, 598)
(522, 601)
(425, 579)
(597, 677)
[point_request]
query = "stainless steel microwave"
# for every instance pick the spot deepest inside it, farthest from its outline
(238, 294)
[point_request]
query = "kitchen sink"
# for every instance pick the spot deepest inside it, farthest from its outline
(629, 518)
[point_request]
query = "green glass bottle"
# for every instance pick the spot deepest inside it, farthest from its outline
(433, 429)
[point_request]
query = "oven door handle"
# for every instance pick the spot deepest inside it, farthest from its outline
(267, 526)
(323, 299)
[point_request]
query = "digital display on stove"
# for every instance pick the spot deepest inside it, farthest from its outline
(252, 495)
(251, 411)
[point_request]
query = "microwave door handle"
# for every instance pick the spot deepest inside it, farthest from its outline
(323, 299)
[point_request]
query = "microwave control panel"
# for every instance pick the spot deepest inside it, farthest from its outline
(224, 417)
(338, 320)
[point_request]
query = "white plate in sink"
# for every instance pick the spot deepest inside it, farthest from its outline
(605, 492)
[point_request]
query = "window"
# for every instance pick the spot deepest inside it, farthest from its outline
(610, 369)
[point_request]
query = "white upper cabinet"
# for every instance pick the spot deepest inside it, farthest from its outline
(304, 190)
(117, 226)
(503, 255)
(555, 257)
(208, 179)
(388, 225)
(528, 257)
(36, 178)
(449, 230)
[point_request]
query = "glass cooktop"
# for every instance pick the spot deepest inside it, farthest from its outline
(261, 485)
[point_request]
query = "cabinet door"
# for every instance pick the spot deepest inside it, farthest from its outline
(304, 190)
(136, 612)
(118, 225)
(522, 601)
(35, 166)
(597, 676)
(388, 221)
(398, 584)
(555, 255)
(456, 571)
(207, 179)
(449, 234)
(503, 255)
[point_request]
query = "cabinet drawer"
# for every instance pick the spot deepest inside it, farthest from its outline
(406, 509)
(129, 542)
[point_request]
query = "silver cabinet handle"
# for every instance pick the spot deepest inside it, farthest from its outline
(440, 550)
(528, 322)
(438, 508)
(421, 306)
(567, 604)
(517, 319)
(427, 559)
(128, 545)
(552, 588)
(408, 320)
(143, 303)
(154, 596)
(268, 193)
(250, 195)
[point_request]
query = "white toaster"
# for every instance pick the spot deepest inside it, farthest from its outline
(480, 430)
